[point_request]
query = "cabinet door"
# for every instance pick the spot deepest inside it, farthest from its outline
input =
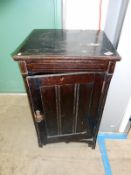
(69, 103)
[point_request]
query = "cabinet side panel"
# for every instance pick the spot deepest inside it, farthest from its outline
(97, 90)
(104, 91)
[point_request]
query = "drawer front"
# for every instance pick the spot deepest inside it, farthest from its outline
(34, 67)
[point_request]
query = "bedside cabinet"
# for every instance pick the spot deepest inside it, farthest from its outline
(66, 74)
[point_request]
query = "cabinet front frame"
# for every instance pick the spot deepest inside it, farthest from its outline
(108, 72)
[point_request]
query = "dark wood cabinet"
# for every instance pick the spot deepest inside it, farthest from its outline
(67, 74)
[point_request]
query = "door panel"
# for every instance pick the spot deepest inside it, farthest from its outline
(66, 105)
(69, 102)
(84, 105)
(48, 99)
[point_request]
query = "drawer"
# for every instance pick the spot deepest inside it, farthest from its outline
(58, 66)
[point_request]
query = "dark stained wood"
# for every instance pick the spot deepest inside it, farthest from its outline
(69, 101)
(111, 67)
(46, 43)
(66, 66)
(40, 136)
(23, 68)
(48, 98)
(67, 75)
(84, 107)
(102, 100)
(59, 79)
(78, 137)
(67, 108)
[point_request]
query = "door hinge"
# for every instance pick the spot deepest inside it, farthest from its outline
(38, 116)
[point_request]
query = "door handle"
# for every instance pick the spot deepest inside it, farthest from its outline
(38, 116)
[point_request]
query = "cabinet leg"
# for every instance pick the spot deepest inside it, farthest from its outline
(40, 145)
(93, 146)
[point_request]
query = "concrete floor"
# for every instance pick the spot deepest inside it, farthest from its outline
(119, 154)
(20, 154)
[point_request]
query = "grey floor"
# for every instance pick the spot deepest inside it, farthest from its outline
(20, 154)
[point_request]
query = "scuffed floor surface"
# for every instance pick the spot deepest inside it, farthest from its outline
(20, 154)
(119, 154)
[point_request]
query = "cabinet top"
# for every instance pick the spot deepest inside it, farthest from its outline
(59, 43)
